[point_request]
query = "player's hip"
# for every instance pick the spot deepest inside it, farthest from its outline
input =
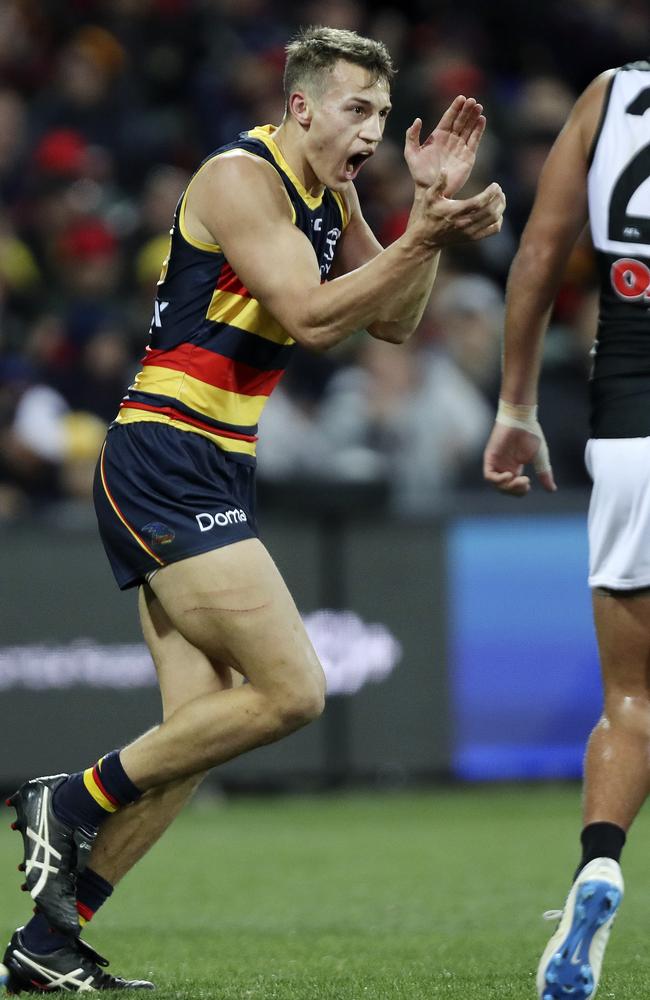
(162, 495)
(619, 512)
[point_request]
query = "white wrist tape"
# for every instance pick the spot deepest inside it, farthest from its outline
(524, 418)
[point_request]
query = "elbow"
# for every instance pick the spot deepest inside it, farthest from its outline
(392, 333)
(317, 331)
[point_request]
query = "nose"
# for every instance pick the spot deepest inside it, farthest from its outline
(373, 129)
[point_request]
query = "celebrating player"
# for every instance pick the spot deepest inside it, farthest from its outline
(268, 248)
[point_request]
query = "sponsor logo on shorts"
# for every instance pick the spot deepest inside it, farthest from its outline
(207, 522)
(157, 533)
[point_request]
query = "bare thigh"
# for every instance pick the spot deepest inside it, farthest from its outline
(623, 631)
(232, 605)
(184, 672)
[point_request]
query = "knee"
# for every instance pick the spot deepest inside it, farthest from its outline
(302, 703)
(627, 710)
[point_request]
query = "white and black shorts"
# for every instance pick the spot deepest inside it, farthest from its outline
(619, 512)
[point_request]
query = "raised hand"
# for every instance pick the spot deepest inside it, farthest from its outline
(443, 221)
(451, 147)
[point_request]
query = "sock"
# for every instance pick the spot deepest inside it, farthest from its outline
(89, 797)
(40, 937)
(92, 892)
(600, 840)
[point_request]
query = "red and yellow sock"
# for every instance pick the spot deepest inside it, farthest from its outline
(89, 797)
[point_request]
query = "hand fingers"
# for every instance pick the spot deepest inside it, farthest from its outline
(479, 220)
(413, 132)
(481, 215)
(507, 482)
(478, 201)
(476, 135)
(467, 118)
(481, 234)
(447, 121)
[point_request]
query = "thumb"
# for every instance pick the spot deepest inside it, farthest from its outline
(547, 480)
(413, 131)
(543, 468)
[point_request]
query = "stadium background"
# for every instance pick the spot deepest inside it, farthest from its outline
(468, 625)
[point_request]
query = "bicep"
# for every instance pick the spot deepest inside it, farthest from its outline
(561, 207)
(245, 208)
(560, 211)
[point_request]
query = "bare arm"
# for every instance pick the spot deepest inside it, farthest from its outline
(558, 216)
(239, 202)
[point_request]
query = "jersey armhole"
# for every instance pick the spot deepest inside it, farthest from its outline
(199, 244)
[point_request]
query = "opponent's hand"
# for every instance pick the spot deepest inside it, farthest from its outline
(451, 147)
(508, 450)
(443, 221)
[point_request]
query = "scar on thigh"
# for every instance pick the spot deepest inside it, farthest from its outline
(236, 600)
(228, 606)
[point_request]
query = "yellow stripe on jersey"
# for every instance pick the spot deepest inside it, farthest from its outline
(208, 247)
(341, 203)
(246, 314)
(218, 404)
(131, 415)
(93, 788)
(265, 134)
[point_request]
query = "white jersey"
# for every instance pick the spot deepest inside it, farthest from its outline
(619, 212)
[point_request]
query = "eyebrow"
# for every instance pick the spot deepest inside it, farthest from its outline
(355, 99)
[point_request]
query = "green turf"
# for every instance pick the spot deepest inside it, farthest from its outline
(418, 896)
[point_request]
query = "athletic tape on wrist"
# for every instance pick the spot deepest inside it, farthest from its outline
(524, 418)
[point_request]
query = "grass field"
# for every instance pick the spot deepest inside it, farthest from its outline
(421, 896)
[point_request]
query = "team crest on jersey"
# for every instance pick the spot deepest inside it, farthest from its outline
(630, 279)
(157, 533)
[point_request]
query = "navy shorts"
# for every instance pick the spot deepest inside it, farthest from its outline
(162, 495)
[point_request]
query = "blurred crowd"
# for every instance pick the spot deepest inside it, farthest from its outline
(107, 106)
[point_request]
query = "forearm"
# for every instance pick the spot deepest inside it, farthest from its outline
(533, 283)
(409, 306)
(389, 292)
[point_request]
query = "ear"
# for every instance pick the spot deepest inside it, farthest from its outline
(300, 108)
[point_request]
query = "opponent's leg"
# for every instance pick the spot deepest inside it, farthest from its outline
(617, 763)
(616, 784)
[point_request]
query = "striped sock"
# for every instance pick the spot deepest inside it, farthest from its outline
(92, 892)
(89, 797)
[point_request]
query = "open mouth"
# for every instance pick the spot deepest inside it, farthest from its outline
(354, 164)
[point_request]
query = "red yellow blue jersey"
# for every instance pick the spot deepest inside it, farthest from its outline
(215, 353)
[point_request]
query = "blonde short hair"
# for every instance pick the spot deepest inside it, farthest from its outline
(316, 50)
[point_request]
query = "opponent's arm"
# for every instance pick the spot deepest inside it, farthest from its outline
(239, 202)
(558, 216)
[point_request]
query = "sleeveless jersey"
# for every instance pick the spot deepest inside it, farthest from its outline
(619, 212)
(215, 353)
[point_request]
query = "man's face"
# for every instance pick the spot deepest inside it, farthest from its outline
(347, 123)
